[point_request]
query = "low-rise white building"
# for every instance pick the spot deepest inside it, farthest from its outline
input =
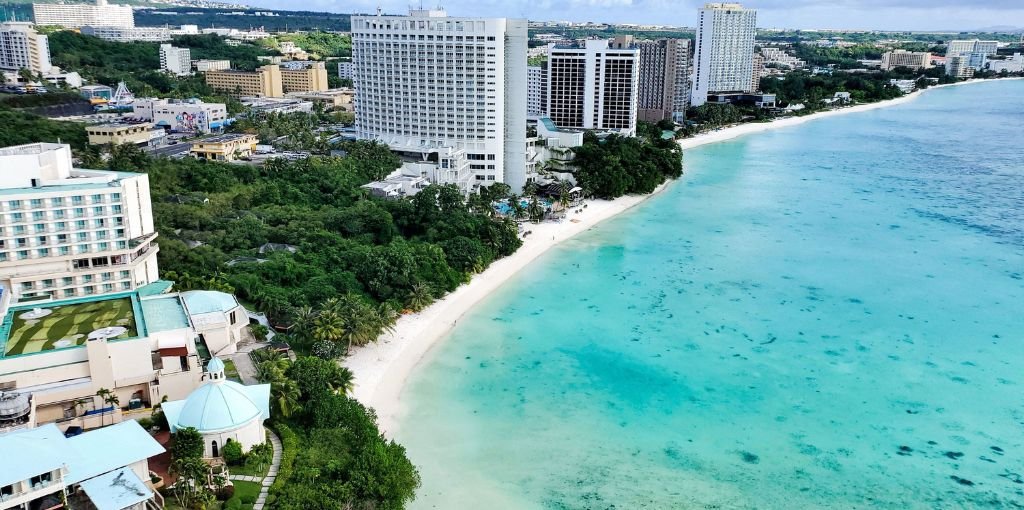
(129, 34)
(222, 411)
(203, 66)
(106, 468)
(1014, 64)
(182, 115)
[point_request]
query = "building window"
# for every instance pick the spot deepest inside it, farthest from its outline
(42, 479)
(77, 200)
(183, 360)
(69, 292)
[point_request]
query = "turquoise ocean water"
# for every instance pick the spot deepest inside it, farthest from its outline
(824, 316)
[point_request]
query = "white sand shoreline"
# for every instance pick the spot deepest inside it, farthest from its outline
(381, 369)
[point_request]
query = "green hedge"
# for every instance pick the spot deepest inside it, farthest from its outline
(290, 448)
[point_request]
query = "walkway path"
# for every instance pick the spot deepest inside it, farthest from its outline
(271, 473)
(243, 363)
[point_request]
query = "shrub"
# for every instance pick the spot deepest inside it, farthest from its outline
(290, 448)
(233, 504)
(248, 499)
(232, 453)
(226, 493)
(259, 332)
(146, 423)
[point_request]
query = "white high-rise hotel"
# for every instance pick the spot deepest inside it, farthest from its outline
(723, 56)
(101, 14)
(67, 232)
(450, 92)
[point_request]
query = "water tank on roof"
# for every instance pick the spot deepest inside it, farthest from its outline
(14, 406)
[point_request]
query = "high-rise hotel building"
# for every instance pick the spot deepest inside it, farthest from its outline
(593, 87)
(21, 47)
(67, 232)
(448, 92)
(100, 14)
(723, 54)
(664, 81)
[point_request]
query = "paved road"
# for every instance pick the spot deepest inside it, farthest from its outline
(170, 151)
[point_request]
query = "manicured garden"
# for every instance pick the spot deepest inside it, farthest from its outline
(68, 325)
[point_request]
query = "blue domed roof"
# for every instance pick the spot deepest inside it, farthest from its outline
(221, 405)
(215, 365)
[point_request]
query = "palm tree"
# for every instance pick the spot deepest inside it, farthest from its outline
(302, 320)
(103, 393)
(420, 297)
(343, 381)
(388, 317)
(536, 211)
(268, 372)
(563, 194)
(285, 396)
(328, 326)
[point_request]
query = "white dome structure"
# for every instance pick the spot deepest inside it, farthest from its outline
(222, 410)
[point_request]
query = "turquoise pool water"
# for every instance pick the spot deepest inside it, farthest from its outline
(823, 316)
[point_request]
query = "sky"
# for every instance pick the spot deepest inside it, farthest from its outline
(806, 14)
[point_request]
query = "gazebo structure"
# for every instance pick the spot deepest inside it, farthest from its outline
(222, 410)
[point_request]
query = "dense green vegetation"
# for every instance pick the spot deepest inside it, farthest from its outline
(334, 455)
(138, 64)
(213, 47)
(18, 128)
(618, 165)
(318, 44)
(221, 18)
(347, 244)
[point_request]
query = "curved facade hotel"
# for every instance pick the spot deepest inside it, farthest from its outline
(101, 14)
(723, 54)
(450, 92)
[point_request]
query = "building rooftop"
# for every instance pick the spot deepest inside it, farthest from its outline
(208, 301)
(219, 404)
(86, 456)
(32, 328)
(223, 138)
(164, 313)
(116, 490)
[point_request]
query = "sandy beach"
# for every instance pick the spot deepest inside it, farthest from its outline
(381, 369)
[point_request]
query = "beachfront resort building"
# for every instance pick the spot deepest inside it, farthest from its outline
(100, 14)
(177, 61)
(664, 77)
(915, 60)
(536, 90)
(446, 93)
(972, 53)
(21, 47)
(723, 54)
(593, 87)
(104, 469)
(68, 232)
(222, 411)
(82, 308)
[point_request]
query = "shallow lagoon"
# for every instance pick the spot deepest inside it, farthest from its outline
(828, 315)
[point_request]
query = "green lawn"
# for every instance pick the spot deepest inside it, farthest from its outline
(68, 325)
(243, 489)
(245, 470)
(231, 371)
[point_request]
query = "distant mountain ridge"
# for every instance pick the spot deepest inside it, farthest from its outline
(141, 3)
(1002, 28)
